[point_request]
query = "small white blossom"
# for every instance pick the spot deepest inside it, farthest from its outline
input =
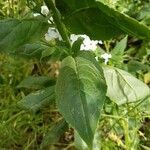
(106, 57)
(100, 42)
(52, 34)
(87, 44)
(44, 10)
(36, 14)
(50, 20)
(74, 37)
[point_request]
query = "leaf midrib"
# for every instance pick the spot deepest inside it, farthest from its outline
(84, 107)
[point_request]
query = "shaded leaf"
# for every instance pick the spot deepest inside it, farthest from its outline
(125, 23)
(76, 46)
(36, 82)
(37, 100)
(15, 33)
(33, 50)
(80, 95)
(98, 21)
(134, 66)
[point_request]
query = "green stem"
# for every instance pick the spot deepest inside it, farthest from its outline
(57, 19)
(126, 133)
(15, 116)
(107, 46)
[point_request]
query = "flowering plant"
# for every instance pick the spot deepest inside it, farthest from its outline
(75, 34)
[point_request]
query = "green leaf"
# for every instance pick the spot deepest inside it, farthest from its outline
(125, 23)
(134, 66)
(76, 46)
(144, 106)
(123, 87)
(54, 133)
(15, 33)
(98, 20)
(79, 143)
(87, 20)
(145, 12)
(118, 51)
(38, 82)
(34, 101)
(48, 52)
(120, 47)
(33, 50)
(80, 92)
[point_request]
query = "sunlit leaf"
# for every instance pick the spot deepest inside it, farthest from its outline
(123, 87)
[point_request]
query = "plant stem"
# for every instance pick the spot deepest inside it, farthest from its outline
(57, 19)
(107, 46)
(126, 133)
(13, 117)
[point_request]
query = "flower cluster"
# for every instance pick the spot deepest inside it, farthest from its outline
(52, 34)
(106, 57)
(44, 10)
(87, 44)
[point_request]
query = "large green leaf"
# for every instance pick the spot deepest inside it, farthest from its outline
(123, 87)
(37, 100)
(98, 20)
(125, 23)
(80, 92)
(14, 33)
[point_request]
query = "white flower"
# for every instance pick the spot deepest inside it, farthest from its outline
(74, 37)
(44, 10)
(100, 42)
(52, 34)
(36, 14)
(106, 57)
(50, 20)
(87, 44)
